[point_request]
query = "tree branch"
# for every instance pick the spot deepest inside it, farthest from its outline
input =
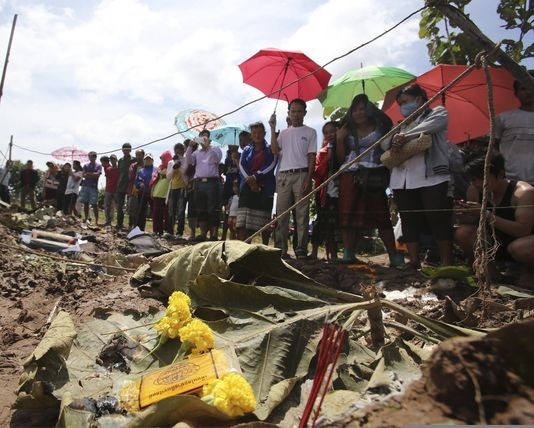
(458, 19)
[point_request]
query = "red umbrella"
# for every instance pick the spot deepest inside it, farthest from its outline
(466, 101)
(70, 154)
(271, 69)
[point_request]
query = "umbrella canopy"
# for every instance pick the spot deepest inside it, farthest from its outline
(271, 69)
(466, 102)
(70, 154)
(374, 81)
(228, 135)
(197, 120)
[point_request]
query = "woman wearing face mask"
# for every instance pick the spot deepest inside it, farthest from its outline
(420, 184)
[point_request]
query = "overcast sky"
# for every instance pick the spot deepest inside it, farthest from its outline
(97, 73)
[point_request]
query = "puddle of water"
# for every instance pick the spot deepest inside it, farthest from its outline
(411, 293)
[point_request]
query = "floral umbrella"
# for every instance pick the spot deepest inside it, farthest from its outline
(70, 154)
(228, 135)
(197, 120)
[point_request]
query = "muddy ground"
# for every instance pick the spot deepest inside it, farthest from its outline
(33, 289)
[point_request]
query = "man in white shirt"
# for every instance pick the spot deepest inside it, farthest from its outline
(296, 148)
(515, 132)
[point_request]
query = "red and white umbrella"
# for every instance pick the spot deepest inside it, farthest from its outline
(70, 154)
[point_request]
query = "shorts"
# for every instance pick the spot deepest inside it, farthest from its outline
(88, 195)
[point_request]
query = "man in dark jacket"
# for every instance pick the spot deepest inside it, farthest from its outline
(29, 179)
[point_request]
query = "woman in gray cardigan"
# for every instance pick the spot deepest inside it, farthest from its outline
(421, 184)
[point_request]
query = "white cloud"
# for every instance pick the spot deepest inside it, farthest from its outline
(122, 71)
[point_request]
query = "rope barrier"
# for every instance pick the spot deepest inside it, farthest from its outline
(485, 250)
(438, 210)
(393, 131)
(62, 259)
(256, 99)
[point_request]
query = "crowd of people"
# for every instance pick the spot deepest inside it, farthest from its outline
(436, 191)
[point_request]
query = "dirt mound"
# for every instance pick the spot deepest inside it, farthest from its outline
(468, 381)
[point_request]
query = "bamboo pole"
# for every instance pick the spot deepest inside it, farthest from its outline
(7, 56)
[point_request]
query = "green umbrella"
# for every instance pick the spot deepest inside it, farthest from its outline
(374, 81)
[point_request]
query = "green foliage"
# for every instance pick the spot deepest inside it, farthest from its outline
(449, 48)
(448, 45)
(518, 15)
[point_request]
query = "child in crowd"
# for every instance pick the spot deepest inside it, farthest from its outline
(233, 204)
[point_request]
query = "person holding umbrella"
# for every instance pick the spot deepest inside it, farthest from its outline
(296, 147)
(421, 184)
(362, 187)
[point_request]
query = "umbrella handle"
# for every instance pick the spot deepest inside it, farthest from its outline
(282, 84)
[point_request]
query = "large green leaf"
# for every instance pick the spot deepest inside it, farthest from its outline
(281, 335)
(47, 364)
(212, 290)
(185, 408)
(244, 263)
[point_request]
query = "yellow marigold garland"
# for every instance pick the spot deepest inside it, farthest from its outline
(177, 314)
(231, 394)
(198, 335)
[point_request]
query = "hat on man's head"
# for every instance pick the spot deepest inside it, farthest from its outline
(149, 155)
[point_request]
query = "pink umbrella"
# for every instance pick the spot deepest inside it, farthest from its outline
(70, 154)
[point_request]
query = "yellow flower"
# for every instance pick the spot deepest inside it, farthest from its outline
(177, 314)
(170, 325)
(129, 395)
(162, 325)
(178, 296)
(179, 307)
(231, 394)
(198, 334)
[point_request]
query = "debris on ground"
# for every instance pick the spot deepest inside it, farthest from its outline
(435, 347)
